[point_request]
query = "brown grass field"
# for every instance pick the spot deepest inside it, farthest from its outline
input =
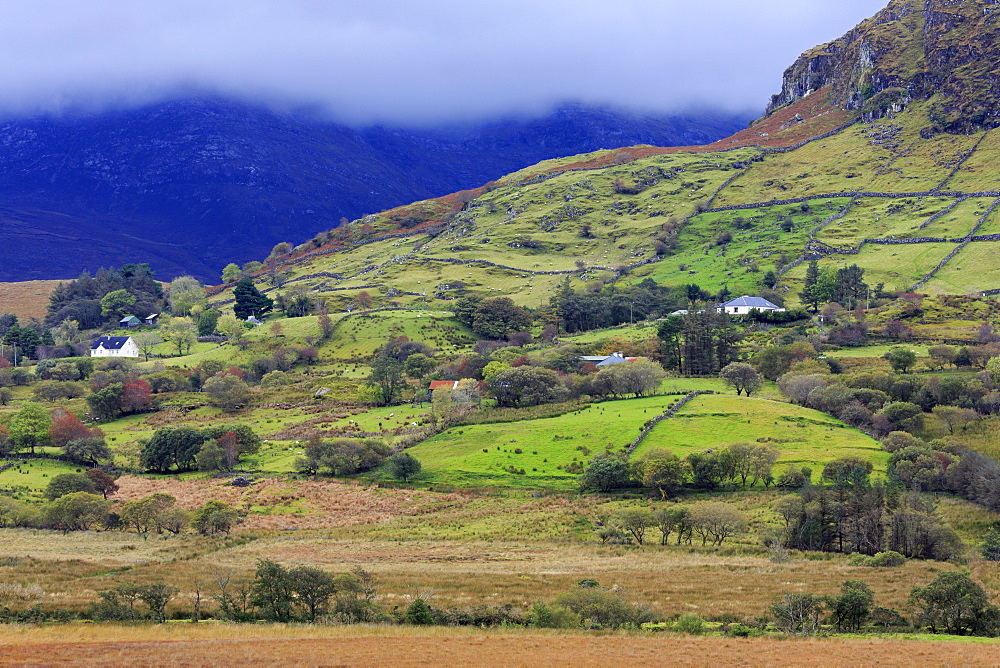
(27, 299)
(185, 644)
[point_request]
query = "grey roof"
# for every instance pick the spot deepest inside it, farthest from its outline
(749, 302)
(110, 342)
(613, 358)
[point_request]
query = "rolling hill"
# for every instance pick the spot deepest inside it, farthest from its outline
(833, 172)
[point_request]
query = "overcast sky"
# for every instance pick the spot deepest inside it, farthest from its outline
(406, 62)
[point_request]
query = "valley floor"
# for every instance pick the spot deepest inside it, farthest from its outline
(205, 644)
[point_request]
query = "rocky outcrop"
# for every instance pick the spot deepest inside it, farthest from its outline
(939, 50)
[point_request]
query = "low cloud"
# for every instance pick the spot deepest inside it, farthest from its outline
(404, 62)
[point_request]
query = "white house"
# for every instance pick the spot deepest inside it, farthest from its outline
(743, 305)
(114, 346)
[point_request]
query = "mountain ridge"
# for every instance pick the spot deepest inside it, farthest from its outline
(191, 185)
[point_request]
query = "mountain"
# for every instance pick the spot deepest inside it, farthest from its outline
(820, 176)
(941, 51)
(193, 184)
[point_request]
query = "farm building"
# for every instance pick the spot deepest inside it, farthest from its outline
(441, 385)
(114, 346)
(743, 305)
(129, 321)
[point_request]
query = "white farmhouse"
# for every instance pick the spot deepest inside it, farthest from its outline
(114, 346)
(743, 305)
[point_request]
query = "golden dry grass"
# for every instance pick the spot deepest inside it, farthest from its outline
(352, 646)
(26, 299)
(320, 504)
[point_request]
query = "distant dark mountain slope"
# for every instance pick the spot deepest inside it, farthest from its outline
(191, 185)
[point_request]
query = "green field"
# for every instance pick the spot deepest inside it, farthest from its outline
(480, 455)
(802, 435)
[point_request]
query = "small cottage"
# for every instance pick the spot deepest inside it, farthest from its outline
(743, 305)
(152, 318)
(114, 346)
(446, 385)
(129, 321)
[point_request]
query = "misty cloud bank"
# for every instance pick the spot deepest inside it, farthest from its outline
(407, 62)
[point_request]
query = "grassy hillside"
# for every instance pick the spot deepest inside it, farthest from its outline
(719, 216)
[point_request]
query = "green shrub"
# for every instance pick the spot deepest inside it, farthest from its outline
(887, 559)
(553, 617)
(690, 624)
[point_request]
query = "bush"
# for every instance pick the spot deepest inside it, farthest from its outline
(553, 617)
(690, 624)
(603, 608)
(888, 559)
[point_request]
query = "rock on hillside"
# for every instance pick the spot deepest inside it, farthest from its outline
(944, 51)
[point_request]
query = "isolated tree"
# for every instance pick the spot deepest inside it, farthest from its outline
(901, 359)
(852, 608)
(30, 427)
(76, 511)
(604, 473)
(638, 377)
(664, 471)
(215, 517)
(636, 521)
(250, 301)
(148, 513)
(147, 341)
(797, 613)
(156, 595)
(231, 273)
(386, 378)
(743, 377)
(103, 482)
(183, 293)
(67, 483)
(181, 333)
(172, 448)
(89, 450)
(716, 521)
(954, 603)
(226, 391)
(403, 466)
(66, 427)
(273, 592)
(313, 590)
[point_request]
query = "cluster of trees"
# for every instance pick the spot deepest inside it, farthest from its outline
(78, 502)
(700, 343)
(711, 521)
(845, 286)
(492, 317)
(106, 297)
(614, 305)
(881, 401)
(22, 342)
(184, 448)
(33, 426)
(347, 456)
(743, 464)
(855, 515)
(951, 603)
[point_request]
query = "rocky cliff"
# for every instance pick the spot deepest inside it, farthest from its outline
(941, 51)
